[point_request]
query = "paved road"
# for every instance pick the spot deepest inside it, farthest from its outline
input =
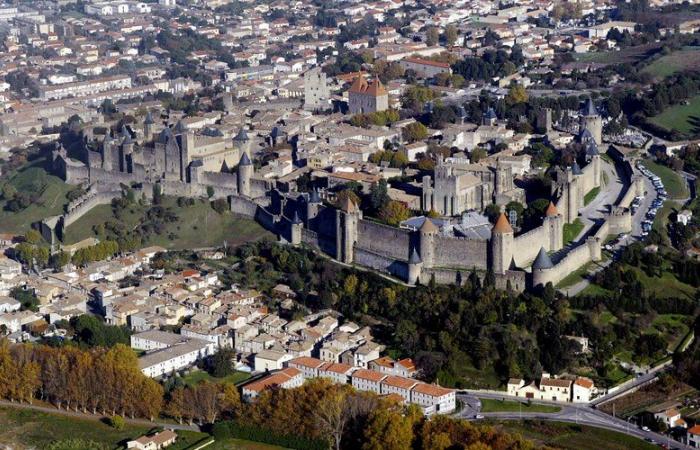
(97, 417)
(580, 414)
(593, 212)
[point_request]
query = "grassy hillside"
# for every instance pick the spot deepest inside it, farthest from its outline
(684, 118)
(196, 226)
(49, 192)
(686, 59)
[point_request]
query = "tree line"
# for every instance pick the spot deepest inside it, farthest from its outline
(101, 380)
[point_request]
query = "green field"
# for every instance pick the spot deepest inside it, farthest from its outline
(33, 429)
(200, 375)
(674, 183)
(683, 118)
(627, 55)
(571, 230)
(50, 191)
(575, 437)
(491, 405)
(23, 429)
(678, 61)
(197, 226)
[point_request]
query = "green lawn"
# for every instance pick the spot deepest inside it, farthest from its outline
(675, 184)
(32, 179)
(684, 59)
(197, 226)
(491, 405)
(571, 230)
(576, 276)
(591, 195)
(200, 375)
(672, 327)
(240, 444)
(21, 428)
(684, 118)
(575, 437)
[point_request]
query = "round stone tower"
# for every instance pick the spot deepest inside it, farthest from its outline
(502, 237)
(245, 173)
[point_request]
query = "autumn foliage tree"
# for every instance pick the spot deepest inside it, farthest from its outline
(99, 380)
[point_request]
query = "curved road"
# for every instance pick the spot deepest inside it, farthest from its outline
(579, 414)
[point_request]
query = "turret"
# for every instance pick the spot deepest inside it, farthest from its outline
(591, 120)
(148, 123)
(107, 152)
(502, 237)
(312, 206)
(347, 221)
(555, 227)
(541, 268)
(415, 266)
(296, 226)
(245, 173)
(427, 234)
(242, 142)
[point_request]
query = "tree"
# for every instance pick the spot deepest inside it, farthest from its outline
(220, 205)
(432, 35)
(389, 429)
(451, 35)
(478, 154)
(220, 364)
(117, 422)
(378, 195)
(210, 191)
(517, 94)
(415, 131)
(394, 213)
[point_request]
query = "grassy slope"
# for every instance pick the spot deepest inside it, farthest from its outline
(575, 437)
(680, 117)
(490, 405)
(198, 226)
(31, 429)
(675, 184)
(687, 58)
(571, 230)
(33, 179)
(591, 195)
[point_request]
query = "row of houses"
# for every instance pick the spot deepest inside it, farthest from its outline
(579, 390)
(432, 399)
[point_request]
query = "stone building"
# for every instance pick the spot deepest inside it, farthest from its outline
(459, 187)
(590, 120)
(316, 91)
(367, 97)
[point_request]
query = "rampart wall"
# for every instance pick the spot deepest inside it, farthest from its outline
(460, 253)
(527, 245)
(383, 240)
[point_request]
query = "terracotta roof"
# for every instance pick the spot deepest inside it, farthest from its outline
(431, 390)
(384, 361)
(407, 363)
(399, 382)
(371, 375)
(428, 226)
(694, 430)
(348, 205)
(515, 381)
(374, 88)
(584, 382)
(502, 225)
(338, 368)
(307, 361)
(555, 382)
(551, 210)
(275, 379)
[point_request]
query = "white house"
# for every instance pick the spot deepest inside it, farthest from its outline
(153, 442)
(337, 372)
(399, 386)
(583, 389)
(367, 380)
(155, 340)
(9, 304)
(308, 366)
(433, 399)
(177, 357)
(671, 417)
(270, 360)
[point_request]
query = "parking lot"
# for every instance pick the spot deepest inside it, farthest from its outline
(642, 208)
